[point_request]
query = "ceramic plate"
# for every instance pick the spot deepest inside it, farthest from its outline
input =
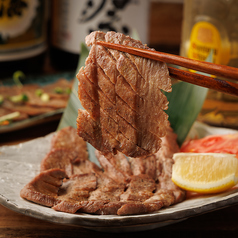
(20, 163)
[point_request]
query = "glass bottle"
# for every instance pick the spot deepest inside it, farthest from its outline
(211, 27)
(73, 20)
(23, 36)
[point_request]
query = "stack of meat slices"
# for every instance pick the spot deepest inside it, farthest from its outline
(70, 182)
(122, 98)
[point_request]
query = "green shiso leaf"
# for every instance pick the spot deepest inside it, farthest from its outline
(185, 103)
(71, 111)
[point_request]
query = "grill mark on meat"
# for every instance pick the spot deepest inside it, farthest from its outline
(67, 138)
(89, 92)
(133, 64)
(131, 74)
(96, 75)
(119, 161)
(102, 140)
(44, 187)
(148, 69)
(107, 189)
(139, 121)
(107, 162)
(100, 57)
(74, 191)
(143, 139)
(78, 187)
(140, 188)
(58, 158)
(91, 131)
(135, 102)
(154, 103)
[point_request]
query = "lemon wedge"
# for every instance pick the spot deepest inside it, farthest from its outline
(205, 172)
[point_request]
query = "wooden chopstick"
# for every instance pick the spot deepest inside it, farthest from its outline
(197, 79)
(204, 81)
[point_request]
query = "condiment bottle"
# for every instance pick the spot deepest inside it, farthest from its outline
(23, 36)
(210, 30)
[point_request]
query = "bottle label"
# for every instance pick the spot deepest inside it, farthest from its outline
(204, 38)
(22, 29)
(73, 20)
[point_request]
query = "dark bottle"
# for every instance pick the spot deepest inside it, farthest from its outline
(23, 36)
(72, 21)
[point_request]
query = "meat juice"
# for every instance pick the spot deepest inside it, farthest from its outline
(210, 30)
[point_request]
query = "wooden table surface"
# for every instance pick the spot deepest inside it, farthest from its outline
(220, 223)
(165, 32)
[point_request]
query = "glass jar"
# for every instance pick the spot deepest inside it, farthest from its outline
(210, 30)
(23, 36)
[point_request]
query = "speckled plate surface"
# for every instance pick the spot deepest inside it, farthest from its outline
(20, 163)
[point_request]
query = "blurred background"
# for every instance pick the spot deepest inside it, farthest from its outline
(50, 33)
(42, 38)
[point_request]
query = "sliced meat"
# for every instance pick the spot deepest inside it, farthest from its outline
(58, 158)
(92, 99)
(74, 193)
(59, 89)
(43, 189)
(119, 161)
(91, 131)
(140, 188)
(107, 189)
(102, 140)
(26, 109)
(134, 208)
(112, 168)
(85, 166)
(164, 162)
(36, 101)
(111, 84)
(144, 165)
(78, 187)
(67, 138)
(152, 71)
(4, 112)
(163, 197)
(68, 152)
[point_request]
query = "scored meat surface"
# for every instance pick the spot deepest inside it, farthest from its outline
(122, 98)
(121, 186)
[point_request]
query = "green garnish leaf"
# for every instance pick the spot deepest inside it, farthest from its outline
(68, 90)
(39, 92)
(58, 90)
(1, 99)
(19, 98)
(18, 76)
